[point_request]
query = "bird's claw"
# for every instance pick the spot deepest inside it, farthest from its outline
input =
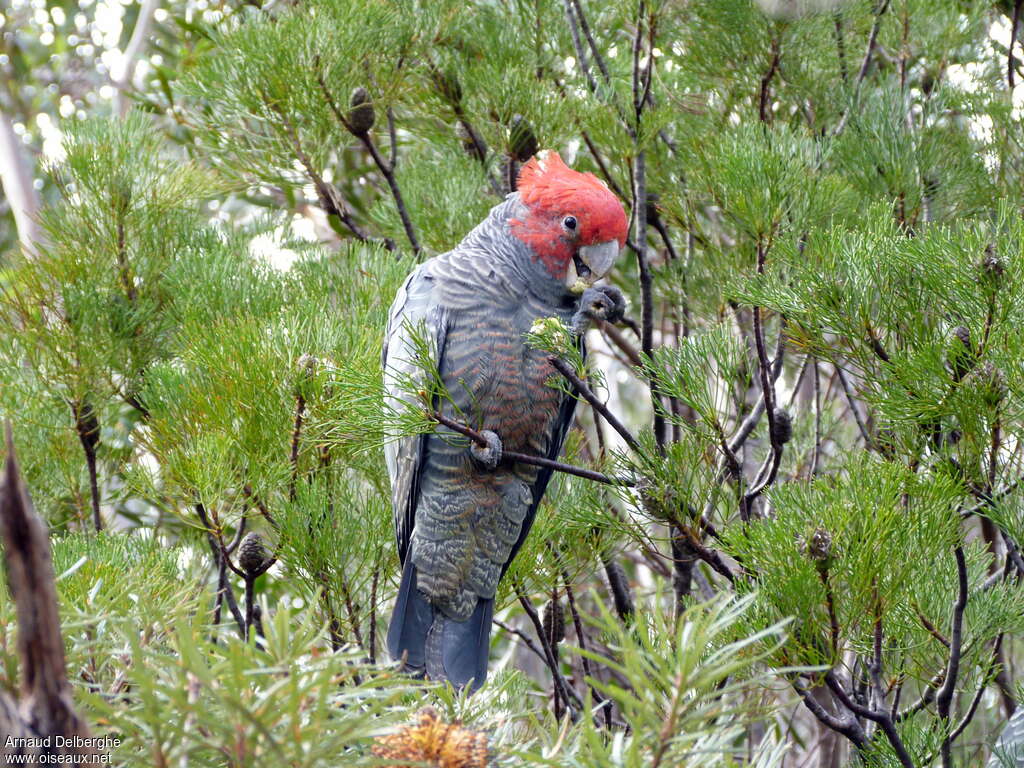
(599, 302)
(488, 457)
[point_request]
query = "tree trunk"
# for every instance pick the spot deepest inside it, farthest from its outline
(42, 721)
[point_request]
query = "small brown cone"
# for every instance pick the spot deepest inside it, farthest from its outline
(554, 621)
(252, 554)
(361, 115)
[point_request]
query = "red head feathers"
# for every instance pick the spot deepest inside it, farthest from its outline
(567, 210)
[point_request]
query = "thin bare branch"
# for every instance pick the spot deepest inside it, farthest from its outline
(584, 391)
(129, 61)
(18, 188)
(523, 458)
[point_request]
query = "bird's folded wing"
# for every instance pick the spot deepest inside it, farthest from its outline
(415, 316)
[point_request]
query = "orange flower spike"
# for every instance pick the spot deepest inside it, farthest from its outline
(435, 742)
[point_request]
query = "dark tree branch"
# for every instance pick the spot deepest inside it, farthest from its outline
(868, 442)
(523, 458)
(601, 165)
(584, 391)
(683, 560)
(847, 726)
(325, 192)
(944, 697)
(646, 287)
(569, 697)
(768, 396)
(764, 99)
(622, 597)
(373, 607)
(876, 659)
(840, 45)
(300, 410)
(926, 698)
(250, 601)
(46, 708)
(581, 637)
(864, 65)
(523, 638)
(220, 559)
(595, 51)
(639, 211)
(581, 55)
(222, 571)
(619, 340)
(708, 555)
(830, 606)
(387, 169)
(350, 609)
(882, 719)
(989, 675)
(930, 628)
(88, 428)
(392, 137)
(876, 344)
(662, 231)
(1011, 62)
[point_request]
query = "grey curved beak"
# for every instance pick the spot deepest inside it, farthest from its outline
(600, 258)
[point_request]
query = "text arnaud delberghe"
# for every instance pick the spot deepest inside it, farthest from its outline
(102, 745)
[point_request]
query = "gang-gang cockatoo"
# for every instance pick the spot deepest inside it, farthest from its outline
(461, 511)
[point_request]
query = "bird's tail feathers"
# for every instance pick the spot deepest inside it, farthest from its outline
(410, 622)
(457, 651)
(430, 642)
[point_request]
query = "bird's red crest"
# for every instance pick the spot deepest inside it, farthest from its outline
(552, 190)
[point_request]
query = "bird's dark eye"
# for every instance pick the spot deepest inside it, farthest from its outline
(569, 222)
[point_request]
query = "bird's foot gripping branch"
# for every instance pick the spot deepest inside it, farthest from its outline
(483, 443)
(598, 303)
(487, 456)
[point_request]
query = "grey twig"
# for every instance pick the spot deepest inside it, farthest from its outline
(986, 678)
(764, 107)
(581, 55)
(847, 726)
(768, 474)
(221, 559)
(300, 410)
(622, 597)
(595, 51)
(853, 408)
(581, 637)
(840, 45)
(619, 340)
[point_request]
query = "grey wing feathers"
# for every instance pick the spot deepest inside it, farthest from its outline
(414, 307)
